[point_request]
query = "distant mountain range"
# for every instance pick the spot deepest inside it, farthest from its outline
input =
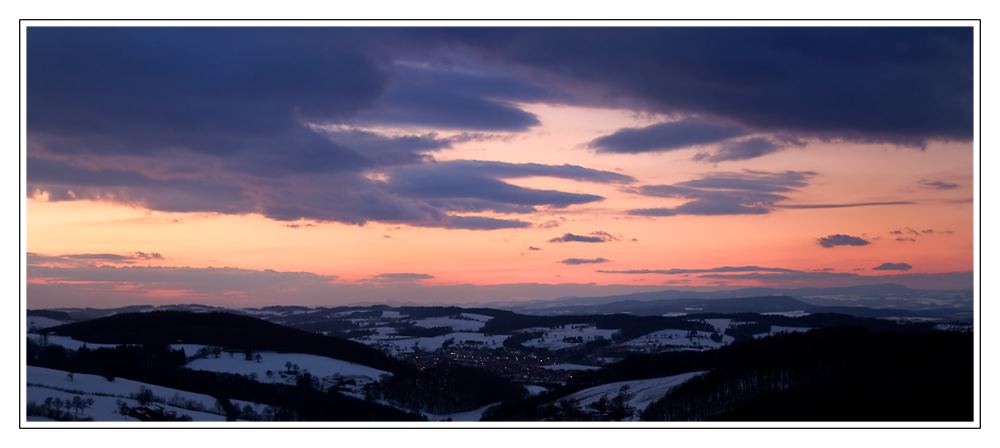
(882, 301)
(883, 296)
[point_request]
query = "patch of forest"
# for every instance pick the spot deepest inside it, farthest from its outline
(835, 374)
(227, 330)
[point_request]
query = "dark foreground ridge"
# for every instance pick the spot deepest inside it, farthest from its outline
(228, 330)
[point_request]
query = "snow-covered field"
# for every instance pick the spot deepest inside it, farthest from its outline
(467, 416)
(680, 339)
(67, 342)
(556, 338)
(570, 367)
(45, 383)
(640, 392)
(397, 345)
(953, 327)
(787, 313)
(189, 349)
(535, 390)
(776, 329)
(39, 322)
(720, 325)
(318, 366)
(467, 324)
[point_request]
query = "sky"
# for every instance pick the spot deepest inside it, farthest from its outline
(256, 166)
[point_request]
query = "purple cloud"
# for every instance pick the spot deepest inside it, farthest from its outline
(577, 261)
(841, 240)
(893, 267)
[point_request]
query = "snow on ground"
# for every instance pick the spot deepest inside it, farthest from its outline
(467, 416)
(480, 317)
(39, 322)
(679, 338)
(397, 345)
(640, 392)
(68, 342)
(787, 313)
(953, 327)
(911, 319)
(776, 329)
(535, 390)
(720, 325)
(318, 366)
(455, 324)
(391, 315)
(46, 382)
(189, 349)
(558, 338)
(569, 367)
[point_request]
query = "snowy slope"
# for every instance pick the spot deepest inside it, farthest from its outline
(67, 342)
(44, 383)
(679, 339)
(569, 367)
(39, 322)
(396, 345)
(468, 324)
(640, 392)
(319, 366)
(554, 338)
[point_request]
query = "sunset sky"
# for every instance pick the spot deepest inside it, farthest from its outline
(245, 166)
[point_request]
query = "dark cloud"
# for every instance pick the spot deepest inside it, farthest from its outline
(475, 186)
(665, 137)
(284, 121)
(746, 193)
(441, 107)
(592, 237)
(701, 271)
(549, 224)
(902, 239)
(750, 180)
(425, 195)
(260, 120)
(577, 261)
(533, 248)
(916, 82)
(892, 267)
(740, 150)
(937, 185)
(841, 240)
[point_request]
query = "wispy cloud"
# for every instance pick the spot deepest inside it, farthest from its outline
(700, 271)
(860, 204)
(937, 185)
(576, 261)
(746, 193)
(593, 237)
(35, 259)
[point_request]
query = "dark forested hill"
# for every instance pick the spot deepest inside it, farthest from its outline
(223, 330)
